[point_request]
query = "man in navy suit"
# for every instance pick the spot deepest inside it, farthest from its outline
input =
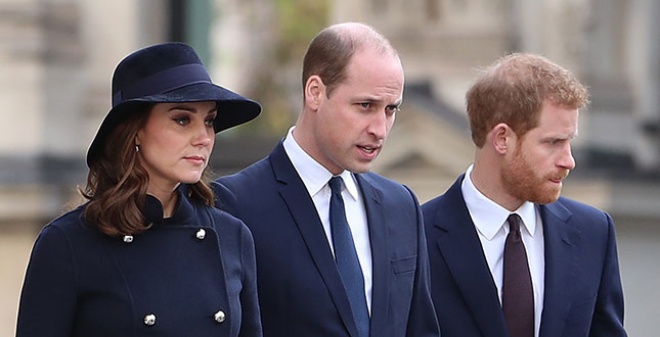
(352, 89)
(523, 113)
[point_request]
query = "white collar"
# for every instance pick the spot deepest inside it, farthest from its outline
(313, 174)
(487, 215)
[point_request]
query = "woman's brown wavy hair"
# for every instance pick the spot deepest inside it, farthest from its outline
(117, 181)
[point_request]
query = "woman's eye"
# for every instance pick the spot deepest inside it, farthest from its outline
(210, 122)
(182, 120)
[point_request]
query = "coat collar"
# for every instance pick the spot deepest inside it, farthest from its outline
(184, 210)
(376, 218)
(302, 209)
(458, 241)
(562, 242)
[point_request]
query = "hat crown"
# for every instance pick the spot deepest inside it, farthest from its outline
(157, 69)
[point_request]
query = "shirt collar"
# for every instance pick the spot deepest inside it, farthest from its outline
(487, 215)
(314, 175)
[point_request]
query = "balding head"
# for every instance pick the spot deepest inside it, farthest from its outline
(331, 50)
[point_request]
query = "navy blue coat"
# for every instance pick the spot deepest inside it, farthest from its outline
(80, 282)
(300, 290)
(583, 295)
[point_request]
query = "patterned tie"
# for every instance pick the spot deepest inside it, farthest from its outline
(347, 259)
(517, 293)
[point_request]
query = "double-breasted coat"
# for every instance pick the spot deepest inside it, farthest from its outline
(189, 275)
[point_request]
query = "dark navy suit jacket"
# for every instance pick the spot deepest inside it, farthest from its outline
(82, 283)
(300, 290)
(583, 295)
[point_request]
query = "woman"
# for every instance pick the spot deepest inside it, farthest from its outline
(148, 254)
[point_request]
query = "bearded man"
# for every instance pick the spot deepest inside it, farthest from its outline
(508, 255)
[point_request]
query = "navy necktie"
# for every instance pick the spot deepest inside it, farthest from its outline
(347, 259)
(517, 293)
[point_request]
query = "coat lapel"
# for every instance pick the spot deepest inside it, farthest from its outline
(561, 242)
(372, 197)
(302, 209)
(459, 244)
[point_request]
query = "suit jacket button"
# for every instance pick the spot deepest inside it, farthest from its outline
(128, 238)
(201, 234)
(219, 316)
(150, 319)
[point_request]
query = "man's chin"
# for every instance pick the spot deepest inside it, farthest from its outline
(360, 167)
(547, 198)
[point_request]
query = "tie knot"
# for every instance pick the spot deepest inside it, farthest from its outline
(335, 184)
(514, 222)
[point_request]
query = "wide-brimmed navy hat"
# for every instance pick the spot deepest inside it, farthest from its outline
(169, 72)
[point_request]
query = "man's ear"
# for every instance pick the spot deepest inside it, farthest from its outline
(314, 91)
(501, 138)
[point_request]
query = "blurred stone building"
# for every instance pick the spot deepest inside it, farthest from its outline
(57, 58)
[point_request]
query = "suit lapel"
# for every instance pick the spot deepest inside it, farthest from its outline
(561, 241)
(372, 197)
(302, 209)
(459, 244)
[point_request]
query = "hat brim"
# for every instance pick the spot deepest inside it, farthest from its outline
(233, 110)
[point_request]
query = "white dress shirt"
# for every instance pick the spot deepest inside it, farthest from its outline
(491, 221)
(316, 177)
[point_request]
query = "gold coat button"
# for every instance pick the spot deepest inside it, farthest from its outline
(219, 316)
(128, 238)
(150, 319)
(201, 234)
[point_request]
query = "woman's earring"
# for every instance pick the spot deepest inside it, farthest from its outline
(137, 148)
